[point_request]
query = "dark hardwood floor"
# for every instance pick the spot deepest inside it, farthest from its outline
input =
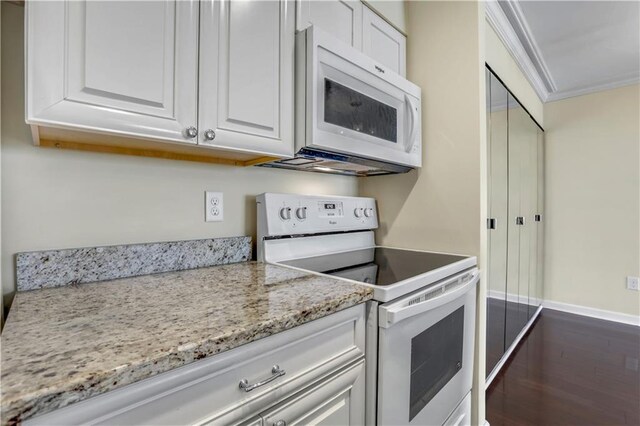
(570, 370)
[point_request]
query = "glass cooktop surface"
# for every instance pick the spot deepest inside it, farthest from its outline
(381, 266)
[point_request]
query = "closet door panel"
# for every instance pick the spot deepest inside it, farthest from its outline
(539, 288)
(497, 132)
(517, 245)
(532, 225)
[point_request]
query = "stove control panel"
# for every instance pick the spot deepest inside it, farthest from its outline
(292, 214)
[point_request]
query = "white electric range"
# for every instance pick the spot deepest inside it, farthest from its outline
(421, 324)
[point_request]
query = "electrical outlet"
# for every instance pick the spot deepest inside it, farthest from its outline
(213, 207)
(633, 283)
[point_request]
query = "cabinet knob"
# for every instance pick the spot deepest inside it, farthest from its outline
(191, 132)
(209, 135)
(280, 423)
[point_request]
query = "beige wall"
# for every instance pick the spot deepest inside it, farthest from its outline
(57, 199)
(438, 207)
(592, 231)
(503, 64)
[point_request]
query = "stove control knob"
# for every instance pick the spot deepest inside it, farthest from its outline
(301, 213)
(368, 212)
(285, 213)
(358, 211)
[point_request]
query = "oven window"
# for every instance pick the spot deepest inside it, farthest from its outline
(352, 110)
(436, 356)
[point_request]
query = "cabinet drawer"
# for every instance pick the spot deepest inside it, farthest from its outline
(339, 400)
(208, 391)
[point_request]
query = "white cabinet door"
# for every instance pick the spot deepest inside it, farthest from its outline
(339, 400)
(127, 68)
(340, 18)
(383, 43)
(246, 75)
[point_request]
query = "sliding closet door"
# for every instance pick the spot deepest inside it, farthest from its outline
(537, 293)
(517, 238)
(497, 133)
(531, 226)
(515, 222)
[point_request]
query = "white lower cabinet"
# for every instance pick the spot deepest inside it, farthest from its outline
(311, 374)
(339, 400)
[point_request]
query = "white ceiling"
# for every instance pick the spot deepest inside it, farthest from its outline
(569, 48)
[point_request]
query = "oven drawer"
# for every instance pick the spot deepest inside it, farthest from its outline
(209, 392)
(462, 415)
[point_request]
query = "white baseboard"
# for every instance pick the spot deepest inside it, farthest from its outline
(514, 298)
(592, 312)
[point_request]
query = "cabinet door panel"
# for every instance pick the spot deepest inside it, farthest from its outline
(340, 18)
(252, 68)
(339, 400)
(130, 67)
(246, 75)
(382, 42)
(129, 74)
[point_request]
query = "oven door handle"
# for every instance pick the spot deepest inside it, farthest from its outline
(390, 315)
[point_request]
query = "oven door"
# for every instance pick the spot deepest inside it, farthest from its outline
(425, 350)
(359, 108)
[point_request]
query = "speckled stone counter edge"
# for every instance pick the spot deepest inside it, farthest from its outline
(56, 268)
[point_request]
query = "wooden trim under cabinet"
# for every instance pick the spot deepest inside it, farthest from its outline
(107, 144)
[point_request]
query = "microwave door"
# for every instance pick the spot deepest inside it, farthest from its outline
(357, 118)
(358, 113)
(425, 353)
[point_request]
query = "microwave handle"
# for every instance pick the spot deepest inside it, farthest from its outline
(392, 315)
(413, 124)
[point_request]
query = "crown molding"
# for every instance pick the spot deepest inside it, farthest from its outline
(516, 17)
(564, 94)
(500, 23)
(544, 85)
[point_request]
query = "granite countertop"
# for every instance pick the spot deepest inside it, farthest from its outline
(63, 345)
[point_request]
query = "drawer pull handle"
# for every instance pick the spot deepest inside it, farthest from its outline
(276, 372)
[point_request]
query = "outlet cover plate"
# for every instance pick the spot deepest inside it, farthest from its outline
(213, 206)
(633, 283)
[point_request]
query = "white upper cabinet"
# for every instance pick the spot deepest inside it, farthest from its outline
(341, 18)
(126, 68)
(357, 25)
(382, 42)
(246, 75)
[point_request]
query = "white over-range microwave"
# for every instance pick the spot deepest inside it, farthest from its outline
(353, 115)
